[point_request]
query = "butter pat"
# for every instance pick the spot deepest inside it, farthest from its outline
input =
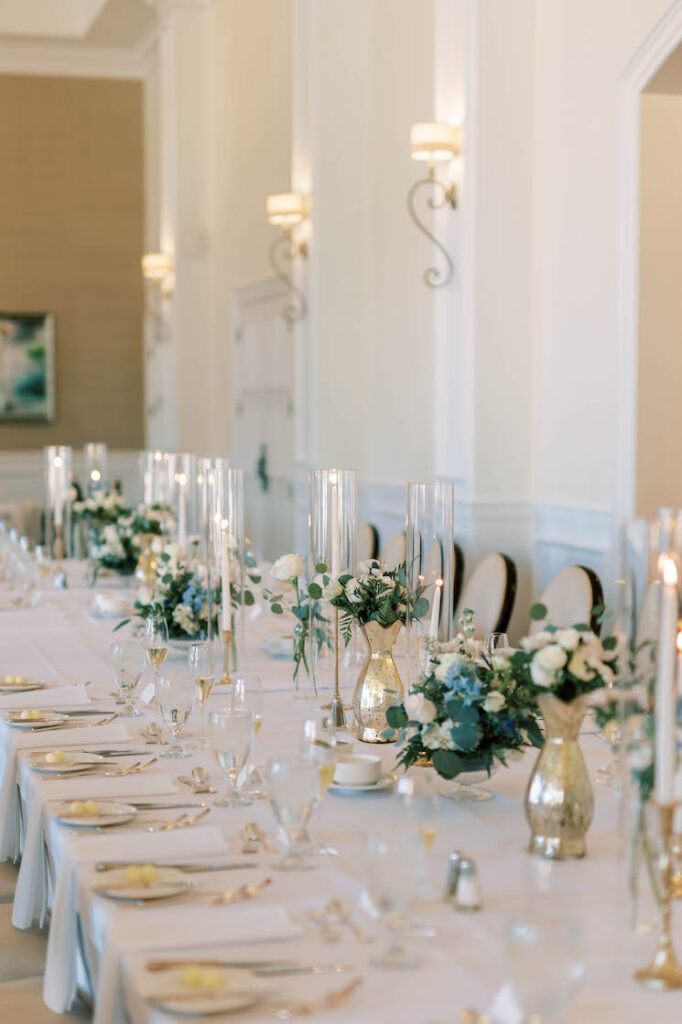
(84, 808)
(31, 716)
(55, 757)
(145, 874)
(207, 979)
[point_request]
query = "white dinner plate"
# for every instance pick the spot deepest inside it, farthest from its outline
(74, 762)
(25, 686)
(168, 882)
(47, 720)
(387, 780)
(240, 991)
(112, 814)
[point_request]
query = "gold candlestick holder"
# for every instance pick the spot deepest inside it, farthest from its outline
(227, 679)
(336, 706)
(664, 971)
(58, 542)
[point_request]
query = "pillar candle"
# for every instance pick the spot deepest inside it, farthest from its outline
(665, 686)
(225, 575)
(182, 511)
(336, 539)
(435, 610)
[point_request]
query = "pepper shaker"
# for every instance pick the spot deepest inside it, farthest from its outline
(453, 875)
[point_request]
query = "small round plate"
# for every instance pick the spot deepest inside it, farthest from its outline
(168, 882)
(73, 763)
(21, 686)
(112, 814)
(47, 720)
(387, 780)
(239, 992)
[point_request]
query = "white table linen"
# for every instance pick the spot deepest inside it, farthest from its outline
(55, 697)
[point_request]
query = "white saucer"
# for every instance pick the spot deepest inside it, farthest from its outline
(116, 814)
(71, 764)
(49, 720)
(387, 780)
(26, 686)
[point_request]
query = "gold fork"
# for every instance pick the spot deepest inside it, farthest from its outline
(328, 1002)
(242, 892)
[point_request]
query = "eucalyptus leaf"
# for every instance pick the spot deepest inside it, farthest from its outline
(396, 716)
(276, 609)
(538, 612)
(447, 763)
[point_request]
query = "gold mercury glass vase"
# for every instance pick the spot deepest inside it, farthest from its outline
(378, 687)
(145, 570)
(559, 800)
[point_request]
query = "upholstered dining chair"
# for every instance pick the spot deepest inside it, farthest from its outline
(366, 542)
(393, 553)
(490, 592)
(458, 565)
(570, 598)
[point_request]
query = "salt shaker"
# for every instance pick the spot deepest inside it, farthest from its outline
(453, 875)
(468, 892)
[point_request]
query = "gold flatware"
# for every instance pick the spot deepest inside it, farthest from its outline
(196, 818)
(327, 930)
(340, 913)
(242, 892)
(156, 966)
(123, 771)
(143, 767)
(255, 838)
(327, 1002)
(168, 826)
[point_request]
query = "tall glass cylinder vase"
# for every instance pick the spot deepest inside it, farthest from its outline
(430, 564)
(150, 471)
(58, 482)
(206, 552)
(228, 543)
(96, 470)
(331, 540)
(184, 499)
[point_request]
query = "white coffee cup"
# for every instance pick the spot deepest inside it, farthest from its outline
(357, 769)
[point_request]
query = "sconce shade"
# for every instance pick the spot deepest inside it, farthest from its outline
(434, 140)
(285, 209)
(156, 266)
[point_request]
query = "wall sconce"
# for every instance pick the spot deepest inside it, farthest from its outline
(288, 210)
(158, 270)
(434, 142)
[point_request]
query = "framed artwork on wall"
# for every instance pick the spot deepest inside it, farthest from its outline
(27, 378)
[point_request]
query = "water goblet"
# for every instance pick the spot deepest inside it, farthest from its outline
(128, 662)
(202, 670)
(293, 784)
(495, 643)
(230, 733)
(545, 966)
(175, 699)
(394, 869)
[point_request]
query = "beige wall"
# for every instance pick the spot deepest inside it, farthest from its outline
(71, 236)
(659, 419)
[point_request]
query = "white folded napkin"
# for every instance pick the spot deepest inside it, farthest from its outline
(239, 924)
(31, 896)
(50, 697)
(62, 948)
(12, 740)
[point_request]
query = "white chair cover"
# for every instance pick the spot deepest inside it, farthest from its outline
(366, 542)
(570, 597)
(489, 593)
(393, 553)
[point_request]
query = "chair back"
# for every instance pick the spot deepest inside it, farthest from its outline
(366, 542)
(570, 598)
(490, 592)
(393, 553)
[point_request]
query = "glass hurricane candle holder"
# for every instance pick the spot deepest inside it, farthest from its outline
(227, 544)
(184, 498)
(96, 475)
(331, 541)
(58, 484)
(430, 561)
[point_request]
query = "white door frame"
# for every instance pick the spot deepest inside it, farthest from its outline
(647, 59)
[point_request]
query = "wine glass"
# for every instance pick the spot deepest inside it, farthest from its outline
(175, 699)
(156, 642)
(202, 670)
(495, 643)
(318, 742)
(293, 786)
(247, 693)
(545, 965)
(128, 662)
(394, 868)
(230, 733)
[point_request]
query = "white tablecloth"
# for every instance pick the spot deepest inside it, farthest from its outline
(462, 965)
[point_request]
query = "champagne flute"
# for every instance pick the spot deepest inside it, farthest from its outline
(247, 692)
(318, 742)
(230, 734)
(156, 642)
(202, 670)
(175, 699)
(128, 662)
(293, 787)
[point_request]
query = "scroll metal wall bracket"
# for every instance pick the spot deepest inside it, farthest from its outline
(444, 195)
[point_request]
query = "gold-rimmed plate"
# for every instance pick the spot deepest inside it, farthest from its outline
(120, 884)
(70, 762)
(39, 719)
(109, 814)
(230, 991)
(19, 684)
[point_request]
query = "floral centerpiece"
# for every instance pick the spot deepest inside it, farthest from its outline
(565, 668)
(101, 508)
(467, 713)
(120, 543)
(303, 600)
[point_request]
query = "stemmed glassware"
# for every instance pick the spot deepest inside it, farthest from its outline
(128, 662)
(175, 699)
(318, 742)
(156, 642)
(230, 734)
(293, 787)
(202, 670)
(545, 966)
(394, 867)
(247, 693)
(494, 643)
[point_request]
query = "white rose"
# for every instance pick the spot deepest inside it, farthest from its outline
(157, 545)
(370, 568)
(495, 701)
(538, 640)
(332, 590)
(174, 550)
(437, 737)
(287, 567)
(552, 657)
(420, 709)
(352, 591)
(499, 662)
(387, 581)
(144, 595)
(540, 675)
(568, 638)
(580, 667)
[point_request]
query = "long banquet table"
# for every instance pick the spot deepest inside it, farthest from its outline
(103, 944)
